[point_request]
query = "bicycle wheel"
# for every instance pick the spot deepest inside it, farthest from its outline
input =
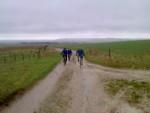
(81, 62)
(65, 60)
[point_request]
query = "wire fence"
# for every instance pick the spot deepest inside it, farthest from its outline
(15, 55)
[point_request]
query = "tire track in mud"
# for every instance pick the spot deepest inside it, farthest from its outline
(116, 104)
(59, 100)
(85, 91)
(88, 93)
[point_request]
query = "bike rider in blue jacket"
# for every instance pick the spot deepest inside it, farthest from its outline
(80, 54)
(64, 55)
(69, 54)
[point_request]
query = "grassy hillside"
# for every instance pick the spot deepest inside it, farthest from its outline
(129, 54)
(19, 72)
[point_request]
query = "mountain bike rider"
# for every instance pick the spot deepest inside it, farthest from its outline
(77, 54)
(69, 54)
(64, 55)
(80, 54)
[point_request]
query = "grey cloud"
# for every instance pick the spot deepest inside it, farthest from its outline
(44, 16)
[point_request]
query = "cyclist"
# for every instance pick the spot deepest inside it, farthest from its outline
(77, 54)
(64, 55)
(69, 54)
(80, 54)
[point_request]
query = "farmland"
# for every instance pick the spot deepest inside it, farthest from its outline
(127, 54)
(21, 67)
(71, 88)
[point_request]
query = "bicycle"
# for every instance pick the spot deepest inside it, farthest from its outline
(81, 61)
(69, 57)
(65, 59)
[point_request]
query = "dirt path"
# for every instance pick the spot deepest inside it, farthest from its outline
(31, 100)
(70, 89)
(88, 94)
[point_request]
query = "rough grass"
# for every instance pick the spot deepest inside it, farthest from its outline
(19, 75)
(134, 91)
(131, 54)
(120, 61)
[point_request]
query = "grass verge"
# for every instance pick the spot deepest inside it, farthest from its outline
(17, 76)
(134, 92)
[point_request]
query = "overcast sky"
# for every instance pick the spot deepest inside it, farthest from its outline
(86, 17)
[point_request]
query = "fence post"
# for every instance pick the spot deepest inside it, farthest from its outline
(109, 53)
(5, 59)
(29, 56)
(45, 47)
(15, 57)
(10, 54)
(33, 55)
(23, 57)
(39, 53)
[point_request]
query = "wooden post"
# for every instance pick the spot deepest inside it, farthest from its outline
(22, 56)
(33, 55)
(5, 59)
(109, 53)
(15, 57)
(45, 47)
(29, 56)
(10, 54)
(39, 53)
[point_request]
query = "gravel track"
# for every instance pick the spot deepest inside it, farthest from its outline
(85, 90)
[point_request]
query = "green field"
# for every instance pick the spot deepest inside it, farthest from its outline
(127, 54)
(22, 69)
